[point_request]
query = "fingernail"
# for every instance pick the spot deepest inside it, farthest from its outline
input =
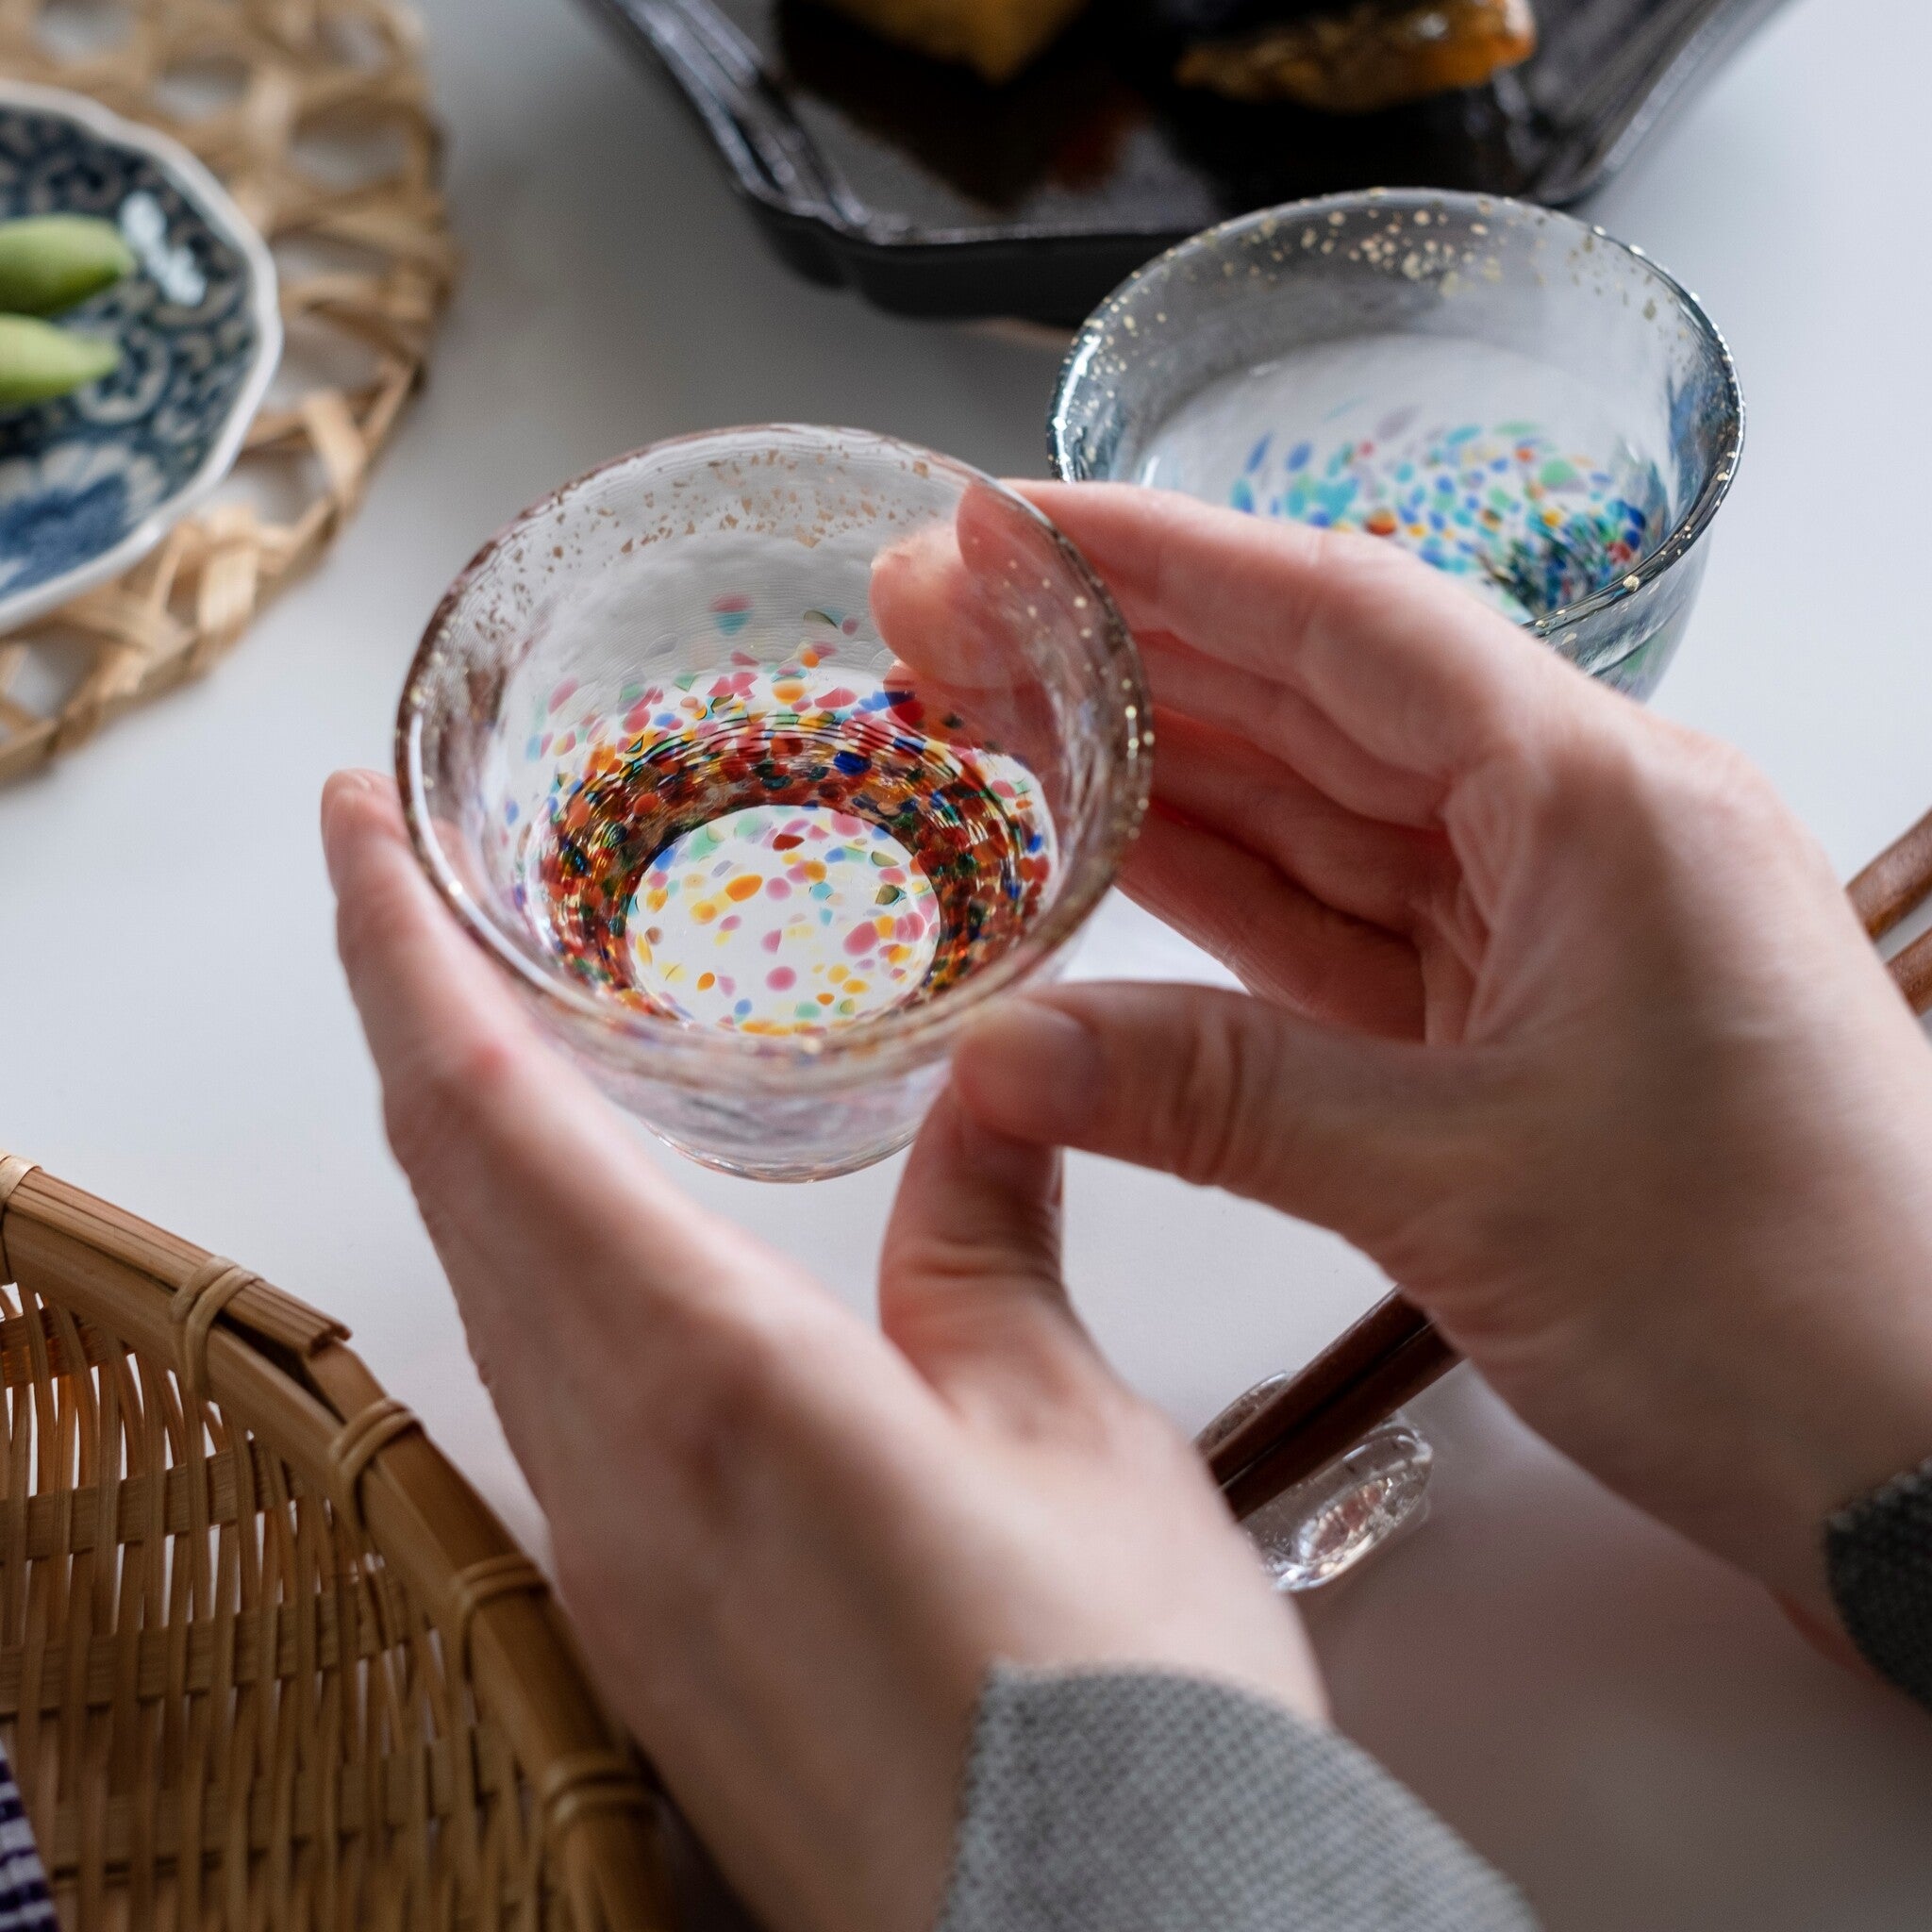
(1030, 1070)
(349, 784)
(338, 787)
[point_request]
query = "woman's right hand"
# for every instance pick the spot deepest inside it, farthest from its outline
(1557, 1012)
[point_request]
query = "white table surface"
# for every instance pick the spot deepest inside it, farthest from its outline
(1628, 1729)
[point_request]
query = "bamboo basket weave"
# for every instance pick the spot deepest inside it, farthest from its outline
(266, 1661)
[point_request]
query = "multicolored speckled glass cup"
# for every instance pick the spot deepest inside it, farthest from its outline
(759, 760)
(1535, 409)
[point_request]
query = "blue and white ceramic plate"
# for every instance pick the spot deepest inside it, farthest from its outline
(89, 482)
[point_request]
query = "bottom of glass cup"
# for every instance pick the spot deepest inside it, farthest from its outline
(773, 1134)
(774, 921)
(793, 1168)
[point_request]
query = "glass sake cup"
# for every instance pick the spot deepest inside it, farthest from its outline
(759, 761)
(1531, 406)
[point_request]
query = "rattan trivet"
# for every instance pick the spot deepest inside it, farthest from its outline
(315, 115)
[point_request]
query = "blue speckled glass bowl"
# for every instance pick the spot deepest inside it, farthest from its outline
(1434, 280)
(92, 481)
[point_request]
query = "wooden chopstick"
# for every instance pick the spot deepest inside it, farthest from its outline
(1393, 1353)
(1361, 1378)
(1912, 969)
(1895, 881)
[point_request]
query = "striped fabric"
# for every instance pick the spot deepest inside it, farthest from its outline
(23, 1901)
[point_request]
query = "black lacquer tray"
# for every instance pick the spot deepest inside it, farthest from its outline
(935, 194)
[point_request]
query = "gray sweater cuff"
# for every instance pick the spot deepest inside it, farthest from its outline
(1878, 1557)
(1141, 1802)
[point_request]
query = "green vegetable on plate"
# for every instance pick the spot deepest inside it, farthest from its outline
(39, 361)
(49, 262)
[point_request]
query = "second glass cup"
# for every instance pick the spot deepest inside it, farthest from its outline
(759, 760)
(1535, 409)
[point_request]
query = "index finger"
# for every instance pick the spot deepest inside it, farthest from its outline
(494, 1130)
(961, 603)
(1410, 667)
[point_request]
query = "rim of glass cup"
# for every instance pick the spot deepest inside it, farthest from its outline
(905, 1035)
(1096, 333)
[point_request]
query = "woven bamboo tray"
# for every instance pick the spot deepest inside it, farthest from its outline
(266, 1661)
(315, 115)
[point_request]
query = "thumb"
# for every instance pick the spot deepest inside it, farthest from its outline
(970, 1287)
(1228, 1092)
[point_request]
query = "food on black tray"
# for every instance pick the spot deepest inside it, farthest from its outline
(1340, 57)
(1346, 57)
(995, 38)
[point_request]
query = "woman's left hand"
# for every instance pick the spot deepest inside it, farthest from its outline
(792, 1544)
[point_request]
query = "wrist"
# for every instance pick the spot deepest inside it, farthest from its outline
(1828, 1413)
(1878, 1557)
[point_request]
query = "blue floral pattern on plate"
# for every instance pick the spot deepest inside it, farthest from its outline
(91, 480)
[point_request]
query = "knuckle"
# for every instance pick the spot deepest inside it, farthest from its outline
(945, 1259)
(1219, 1099)
(958, 1257)
(1654, 791)
(370, 923)
(1355, 566)
(439, 1101)
(1339, 555)
(1732, 789)
(736, 1388)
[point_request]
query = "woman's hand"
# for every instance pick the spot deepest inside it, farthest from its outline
(1559, 1015)
(792, 1545)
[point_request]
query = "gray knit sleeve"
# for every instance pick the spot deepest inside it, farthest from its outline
(1878, 1556)
(1141, 1802)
